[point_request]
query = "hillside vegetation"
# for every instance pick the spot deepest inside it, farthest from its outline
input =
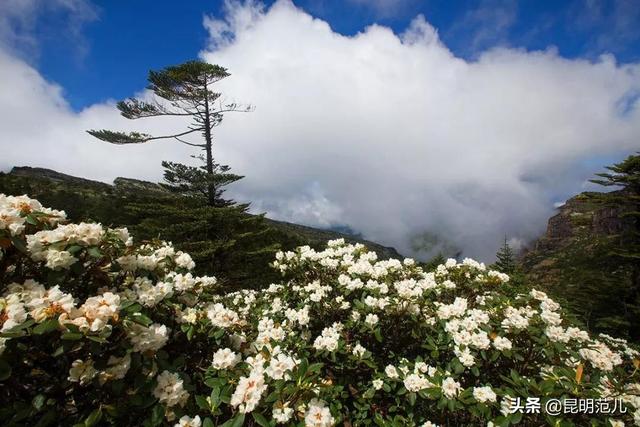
(120, 204)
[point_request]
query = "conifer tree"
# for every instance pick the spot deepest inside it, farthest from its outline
(220, 234)
(505, 259)
(434, 262)
(183, 90)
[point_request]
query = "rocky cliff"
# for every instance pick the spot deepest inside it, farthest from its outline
(579, 223)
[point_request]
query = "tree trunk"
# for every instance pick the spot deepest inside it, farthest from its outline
(208, 147)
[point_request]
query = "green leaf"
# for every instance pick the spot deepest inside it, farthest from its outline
(94, 252)
(412, 399)
(74, 249)
(19, 244)
(260, 419)
(207, 423)
(141, 319)
(71, 336)
(38, 401)
(46, 326)
(93, 417)
(202, 403)
(157, 414)
(215, 397)
(236, 421)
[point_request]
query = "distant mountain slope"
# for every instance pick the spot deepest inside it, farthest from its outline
(67, 192)
(317, 236)
(574, 262)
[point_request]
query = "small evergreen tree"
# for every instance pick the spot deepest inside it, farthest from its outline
(197, 182)
(434, 262)
(505, 259)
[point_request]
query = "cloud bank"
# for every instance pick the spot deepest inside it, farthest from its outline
(391, 135)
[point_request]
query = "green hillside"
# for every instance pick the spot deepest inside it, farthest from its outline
(117, 204)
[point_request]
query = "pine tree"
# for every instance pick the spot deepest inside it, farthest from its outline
(183, 90)
(192, 181)
(220, 234)
(434, 262)
(506, 259)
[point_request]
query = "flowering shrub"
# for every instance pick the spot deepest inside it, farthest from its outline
(96, 330)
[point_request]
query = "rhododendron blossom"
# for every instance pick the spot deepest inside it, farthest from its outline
(103, 327)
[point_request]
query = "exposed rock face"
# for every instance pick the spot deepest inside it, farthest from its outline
(577, 221)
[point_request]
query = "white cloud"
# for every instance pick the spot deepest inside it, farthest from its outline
(391, 135)
(19, 18)
(384, 8)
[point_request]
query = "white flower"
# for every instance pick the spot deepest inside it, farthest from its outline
(282, 415)
(501, 343)
(100, 309)
(507, 405)
(150, 295)
(484, 394)
(184, 260)
(391, 371)
(415, 383)
(222, 317)
(456, 309)
(12, 312)
(187, 421)
(371, 319)
(117, 368)
(601, 356)
(184, 282)
(429, 424)
(359, 350)
(248, 393)
(170, 390)
(59, 260)
(280, 366)
(82, 372)
(152, 338)
(318, 415)
(450, 387)
(189, 315)
(328, 340)
(225, 358)
(377, 384)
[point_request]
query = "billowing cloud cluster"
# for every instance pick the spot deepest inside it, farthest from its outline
(389, 134)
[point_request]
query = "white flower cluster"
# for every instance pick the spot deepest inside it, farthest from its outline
(248, 392)
(339, 313)
(329, 339)
(151, 338)
(63, 236)
(225, 358)
(170, 389)
(152, 258)
(14, 211)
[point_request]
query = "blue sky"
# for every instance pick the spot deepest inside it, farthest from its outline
(110, 50)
